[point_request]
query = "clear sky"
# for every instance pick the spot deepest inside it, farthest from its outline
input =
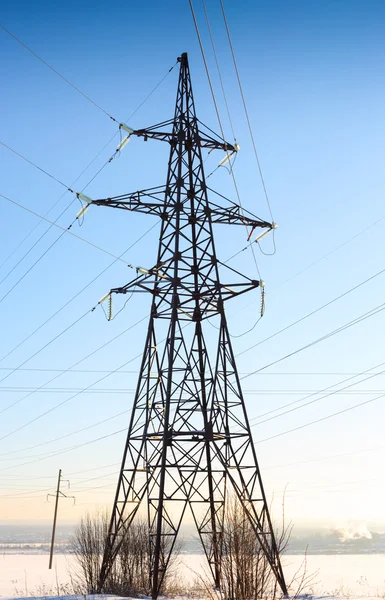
(312, 74)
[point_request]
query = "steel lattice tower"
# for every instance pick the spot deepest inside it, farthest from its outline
(189, 434)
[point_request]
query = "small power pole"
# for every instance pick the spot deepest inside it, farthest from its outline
(57, 496)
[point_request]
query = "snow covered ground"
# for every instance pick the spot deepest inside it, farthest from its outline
(359, 576)
(110, 597)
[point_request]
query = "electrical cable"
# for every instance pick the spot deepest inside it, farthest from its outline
(36, 166)
(63, 436)
(62, 332)
(82, 390)
(342, 328)
(51, 455)
(313, 312)
(33, 246)
(274, 246)
(220, 124)
(285, 373)
(57, 202)
(271, 467)
(254, 392)
(36, 477)
(359, 319)
(13, 495)
(245, 109)
(54, 223)
(207, 69)
(76, 295)
(332, 393)
(66, 371)
(4, 454)
(84, 170)
(340, 412)
(356, 235)
(218, 69)
(340, 455)
(32, 266)
(67, 188)
(315, 262)
(97, 477)
(362, 317)
(57, 73)
(330, 387)
(66, 230)
(240, 335)
(38, 488)
(93, 469)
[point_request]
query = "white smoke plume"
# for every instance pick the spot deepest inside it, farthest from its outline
(354, 532)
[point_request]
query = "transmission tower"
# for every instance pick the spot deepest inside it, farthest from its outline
(189, 440)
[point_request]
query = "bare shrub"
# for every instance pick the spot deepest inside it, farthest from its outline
(87, 547)
(245, 570)
(130, 574)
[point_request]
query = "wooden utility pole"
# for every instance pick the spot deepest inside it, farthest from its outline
(57, 495)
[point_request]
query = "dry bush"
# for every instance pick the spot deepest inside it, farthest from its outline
(87, 547)
(130, 574)
(245, 570)
(245, 573)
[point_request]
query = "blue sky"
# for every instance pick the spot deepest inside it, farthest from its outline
(313, 80)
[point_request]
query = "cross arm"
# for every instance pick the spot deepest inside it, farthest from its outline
(135, 201)
(204, 140)
(235, 215)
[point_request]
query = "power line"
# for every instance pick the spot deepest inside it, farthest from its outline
(54, 223)
(352, 376)
(206, 68)
(30, 250)
(66, 230)
(51, 455)
(53, 206)
(87, 167)
(316, 261)
(78, 320)
(313, 312)
(36, 477)
(123, 412)
(33, 264)
(345, 326)
(68, 206)
(60, 374)
(76, 295)
(63, 331)
(126, 411)
(285, 373)
(295, 463)
(218, 69)
(245, 109)
(220, 123)
(36, 166)
(57, 73)
(332, 393)
(123, 391)
(346, 242)
(364, 316)
(109, 373)
(338, 330)
(340, 412)
(340, 455)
